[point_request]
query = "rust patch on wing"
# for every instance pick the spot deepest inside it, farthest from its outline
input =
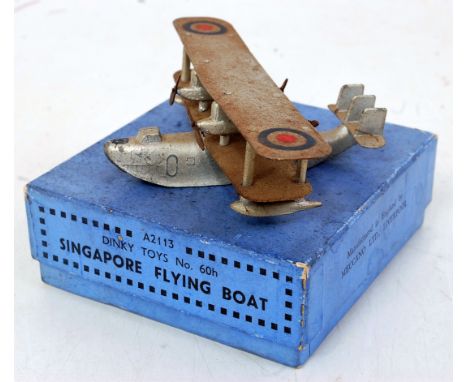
(245, 92)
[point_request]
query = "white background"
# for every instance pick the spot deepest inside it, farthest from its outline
(85, 68)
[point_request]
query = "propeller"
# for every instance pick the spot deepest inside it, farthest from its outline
(174, 91)
(314, 122)
(198, 136)
(283, 85)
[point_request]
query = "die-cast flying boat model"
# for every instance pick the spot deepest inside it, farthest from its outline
(245, 130)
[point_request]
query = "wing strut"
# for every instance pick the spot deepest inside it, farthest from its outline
(185, 74)
(249, 165)
(302, 170)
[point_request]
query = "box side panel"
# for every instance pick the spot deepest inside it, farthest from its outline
(257, 297)
(372, 239)
(180, 319)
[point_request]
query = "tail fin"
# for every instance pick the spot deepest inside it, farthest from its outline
(346, 95)
(358, 105)
(358, 113)
(368, 131)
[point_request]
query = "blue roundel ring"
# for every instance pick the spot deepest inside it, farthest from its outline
(264, 138)
(204, 27)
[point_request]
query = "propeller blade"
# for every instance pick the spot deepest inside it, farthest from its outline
(283, 85)
(174, 91)
(198, 136)
(313, 122)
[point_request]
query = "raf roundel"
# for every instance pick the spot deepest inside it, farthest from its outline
(284, 138)
(205, 27)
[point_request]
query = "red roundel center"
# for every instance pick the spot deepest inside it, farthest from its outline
(286, 138)
(204, 27)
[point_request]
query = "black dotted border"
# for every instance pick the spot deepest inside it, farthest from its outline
(84, 220)
(236, 264)
(151, 288)
(173, 295)
(288, 292)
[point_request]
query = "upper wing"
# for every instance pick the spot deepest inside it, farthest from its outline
(249, 97)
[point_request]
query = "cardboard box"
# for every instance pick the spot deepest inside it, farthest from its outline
(272, 286)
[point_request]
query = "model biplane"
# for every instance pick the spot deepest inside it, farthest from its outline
(245, 130)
